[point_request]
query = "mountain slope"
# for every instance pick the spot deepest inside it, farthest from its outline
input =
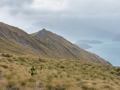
(43, 44)
(64, 48)
(16, 41)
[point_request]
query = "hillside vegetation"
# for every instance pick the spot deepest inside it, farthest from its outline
(43, 44)
(56, 74)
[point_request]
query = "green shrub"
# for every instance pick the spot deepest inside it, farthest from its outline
(10, 60)
(108, 87)
(60, 87)
(4, 66)
(21, 59)
(49, 78)
(31, 80)
(23, 83)
(41, 60)
(62, 66)
(49, 86)
(6, 55)
(117, 69)
(85, 87)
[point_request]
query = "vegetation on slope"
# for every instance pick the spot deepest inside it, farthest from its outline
(42, 44)
(56, 74)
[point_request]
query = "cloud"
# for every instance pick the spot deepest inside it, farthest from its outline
(78, 17)
(50, 5)
(64, 8)
(13, 3)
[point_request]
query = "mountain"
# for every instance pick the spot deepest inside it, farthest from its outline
(43, 44)
(88, 42)
(85, 43)
(64, 48)
(84, 46)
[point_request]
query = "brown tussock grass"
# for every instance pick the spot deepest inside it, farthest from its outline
(56, 74)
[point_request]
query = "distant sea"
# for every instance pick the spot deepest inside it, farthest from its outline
(109, 50)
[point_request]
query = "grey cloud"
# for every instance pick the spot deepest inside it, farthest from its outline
(15, 6)
(75, 28)
(77, 9)
(14, 3)
(96, 8)
(82, 18)
(23, 11)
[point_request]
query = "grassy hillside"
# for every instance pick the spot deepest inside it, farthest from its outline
(42, 44)
(56, 74)
(60, 48)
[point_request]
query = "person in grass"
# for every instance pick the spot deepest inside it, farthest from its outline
(32, 71)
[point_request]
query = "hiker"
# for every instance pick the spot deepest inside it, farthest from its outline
(32, 71)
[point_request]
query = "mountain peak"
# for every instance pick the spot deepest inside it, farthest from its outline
(4, 24)
(43, 44)
(45, 35)
(1, 23)
(43, 29)
(40, 34)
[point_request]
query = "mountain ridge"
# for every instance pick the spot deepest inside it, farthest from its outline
(42, 44)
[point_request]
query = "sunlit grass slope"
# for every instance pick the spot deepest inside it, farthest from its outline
(56, 74)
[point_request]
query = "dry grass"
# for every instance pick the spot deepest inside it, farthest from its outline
(56, 74)
(42, 44)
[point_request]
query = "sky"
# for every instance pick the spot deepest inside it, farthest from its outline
(78, 18)
(72, 19)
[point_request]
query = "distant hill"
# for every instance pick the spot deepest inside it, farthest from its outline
(84, 46)
(42, 44)
(88, 42)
